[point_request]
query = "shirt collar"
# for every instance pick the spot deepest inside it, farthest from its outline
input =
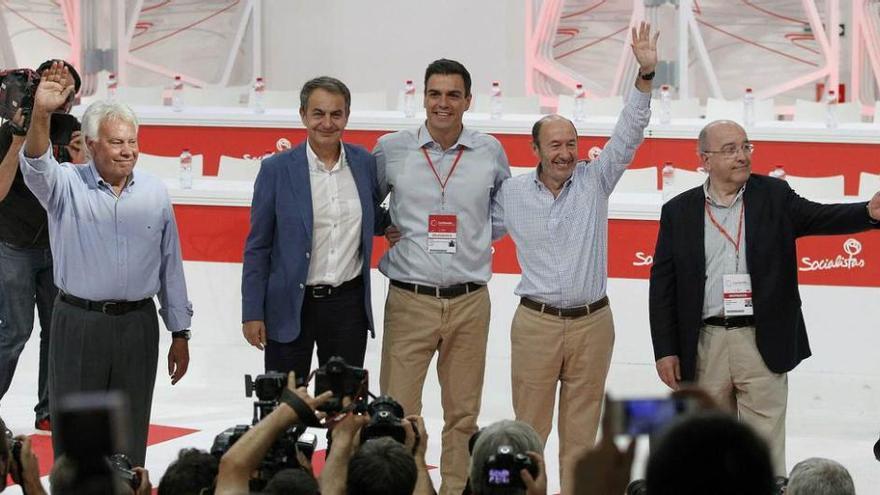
(466, 138)
(712, 201)
(536, 177)
(314, 161)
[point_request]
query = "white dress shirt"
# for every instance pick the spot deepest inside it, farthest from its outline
(336, 209)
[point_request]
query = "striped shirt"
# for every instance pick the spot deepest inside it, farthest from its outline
(562, 242)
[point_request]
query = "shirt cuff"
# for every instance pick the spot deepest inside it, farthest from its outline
(177, 319)
(639, 99)
(40, 163)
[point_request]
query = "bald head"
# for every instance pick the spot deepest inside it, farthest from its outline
(536, 128)
(704, 140)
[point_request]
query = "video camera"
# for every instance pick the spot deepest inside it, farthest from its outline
(283, 452)
(17, 90)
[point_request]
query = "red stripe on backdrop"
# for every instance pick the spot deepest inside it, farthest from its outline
(214, 233)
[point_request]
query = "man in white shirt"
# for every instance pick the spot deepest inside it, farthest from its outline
(306, 275)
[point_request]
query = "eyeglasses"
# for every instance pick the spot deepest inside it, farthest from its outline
(730, 150)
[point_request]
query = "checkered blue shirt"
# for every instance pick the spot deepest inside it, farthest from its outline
(562, 243)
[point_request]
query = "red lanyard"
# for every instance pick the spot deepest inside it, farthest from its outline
(718, 226)
(434, 169)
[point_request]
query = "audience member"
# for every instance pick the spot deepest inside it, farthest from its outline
(193, 471)
(521, 438)
(296, 481)
(818, 476)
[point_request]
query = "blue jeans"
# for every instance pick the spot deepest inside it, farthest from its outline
(25, 280)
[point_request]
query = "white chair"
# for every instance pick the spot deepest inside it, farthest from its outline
(877, 112)
(167, 167)
(141, 95)
(683, 179)
(814, 111)
(376, 100)
(814, 188)
(281, 99)
(638, 180)
(733, 110)
(688, 108)
(514, 171)
(233, 96)
(530, 105)
(238, 168)
(593, 107)
(868, 184)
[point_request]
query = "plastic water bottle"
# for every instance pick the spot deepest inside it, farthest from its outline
(409, 99)
(112, 84)
(259, 103)
(831, 109)
(668, 174)
(749, 108)
(495, 102)
(665, 105)
(177, 94)
(778, 172)
(579, 96)
(186, 174)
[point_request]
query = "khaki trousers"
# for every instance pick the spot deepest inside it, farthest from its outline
(732, 371)
(417, 326)
(574, 352)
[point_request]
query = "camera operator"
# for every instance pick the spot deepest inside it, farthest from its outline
(381, 465)
(246, 454)
(19, 461)
(521, 442)
(125, 480)
(193, 471)
(25, 257)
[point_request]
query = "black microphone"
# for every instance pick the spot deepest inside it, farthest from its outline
(877, 450)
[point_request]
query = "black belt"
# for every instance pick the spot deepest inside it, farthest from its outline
(731, 322)
(574, 312)
(112, 308)
(441, 292)
(323, 291)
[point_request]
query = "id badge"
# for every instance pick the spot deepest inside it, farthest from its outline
(442, 233)
(738, 295)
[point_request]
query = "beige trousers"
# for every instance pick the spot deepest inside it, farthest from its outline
(732, 371)
(417, 326)
(575, 353)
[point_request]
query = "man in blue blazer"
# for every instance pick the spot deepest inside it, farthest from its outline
(306, 275)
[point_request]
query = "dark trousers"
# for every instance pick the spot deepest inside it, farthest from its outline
(92, 351)
(337, 324)
(25, 280)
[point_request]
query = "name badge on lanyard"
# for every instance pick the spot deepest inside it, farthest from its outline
(442, 233)
(736, 287)
(443, 225)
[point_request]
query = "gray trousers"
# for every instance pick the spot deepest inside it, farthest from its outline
(92, 351)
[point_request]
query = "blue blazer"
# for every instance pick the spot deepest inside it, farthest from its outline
(276, 255)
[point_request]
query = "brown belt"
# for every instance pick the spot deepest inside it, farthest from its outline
(574, 312)
(441, 292)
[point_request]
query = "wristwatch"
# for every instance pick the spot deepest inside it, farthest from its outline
(181, 334)
(648, 76)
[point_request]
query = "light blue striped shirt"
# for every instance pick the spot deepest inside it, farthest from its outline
(562, 243)
(109, 248)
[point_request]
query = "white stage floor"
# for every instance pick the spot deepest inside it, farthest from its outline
(834, 397)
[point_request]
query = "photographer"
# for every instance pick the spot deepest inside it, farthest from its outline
(123, 480)
(381, 465)
(25, 258)
(193, 471)
(506, 460)
(246, 454)
(22, 465)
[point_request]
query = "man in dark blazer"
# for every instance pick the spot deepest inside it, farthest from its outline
(306, 274)
(724, 304)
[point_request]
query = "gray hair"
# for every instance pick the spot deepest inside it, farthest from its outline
(518, 435)
(102, 110)
(818, 476)
(328, 84)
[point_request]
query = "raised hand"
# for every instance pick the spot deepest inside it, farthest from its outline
(56, 85)
(644, 46)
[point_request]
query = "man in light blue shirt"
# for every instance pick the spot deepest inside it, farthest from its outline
(115, 246)
(557, 215)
